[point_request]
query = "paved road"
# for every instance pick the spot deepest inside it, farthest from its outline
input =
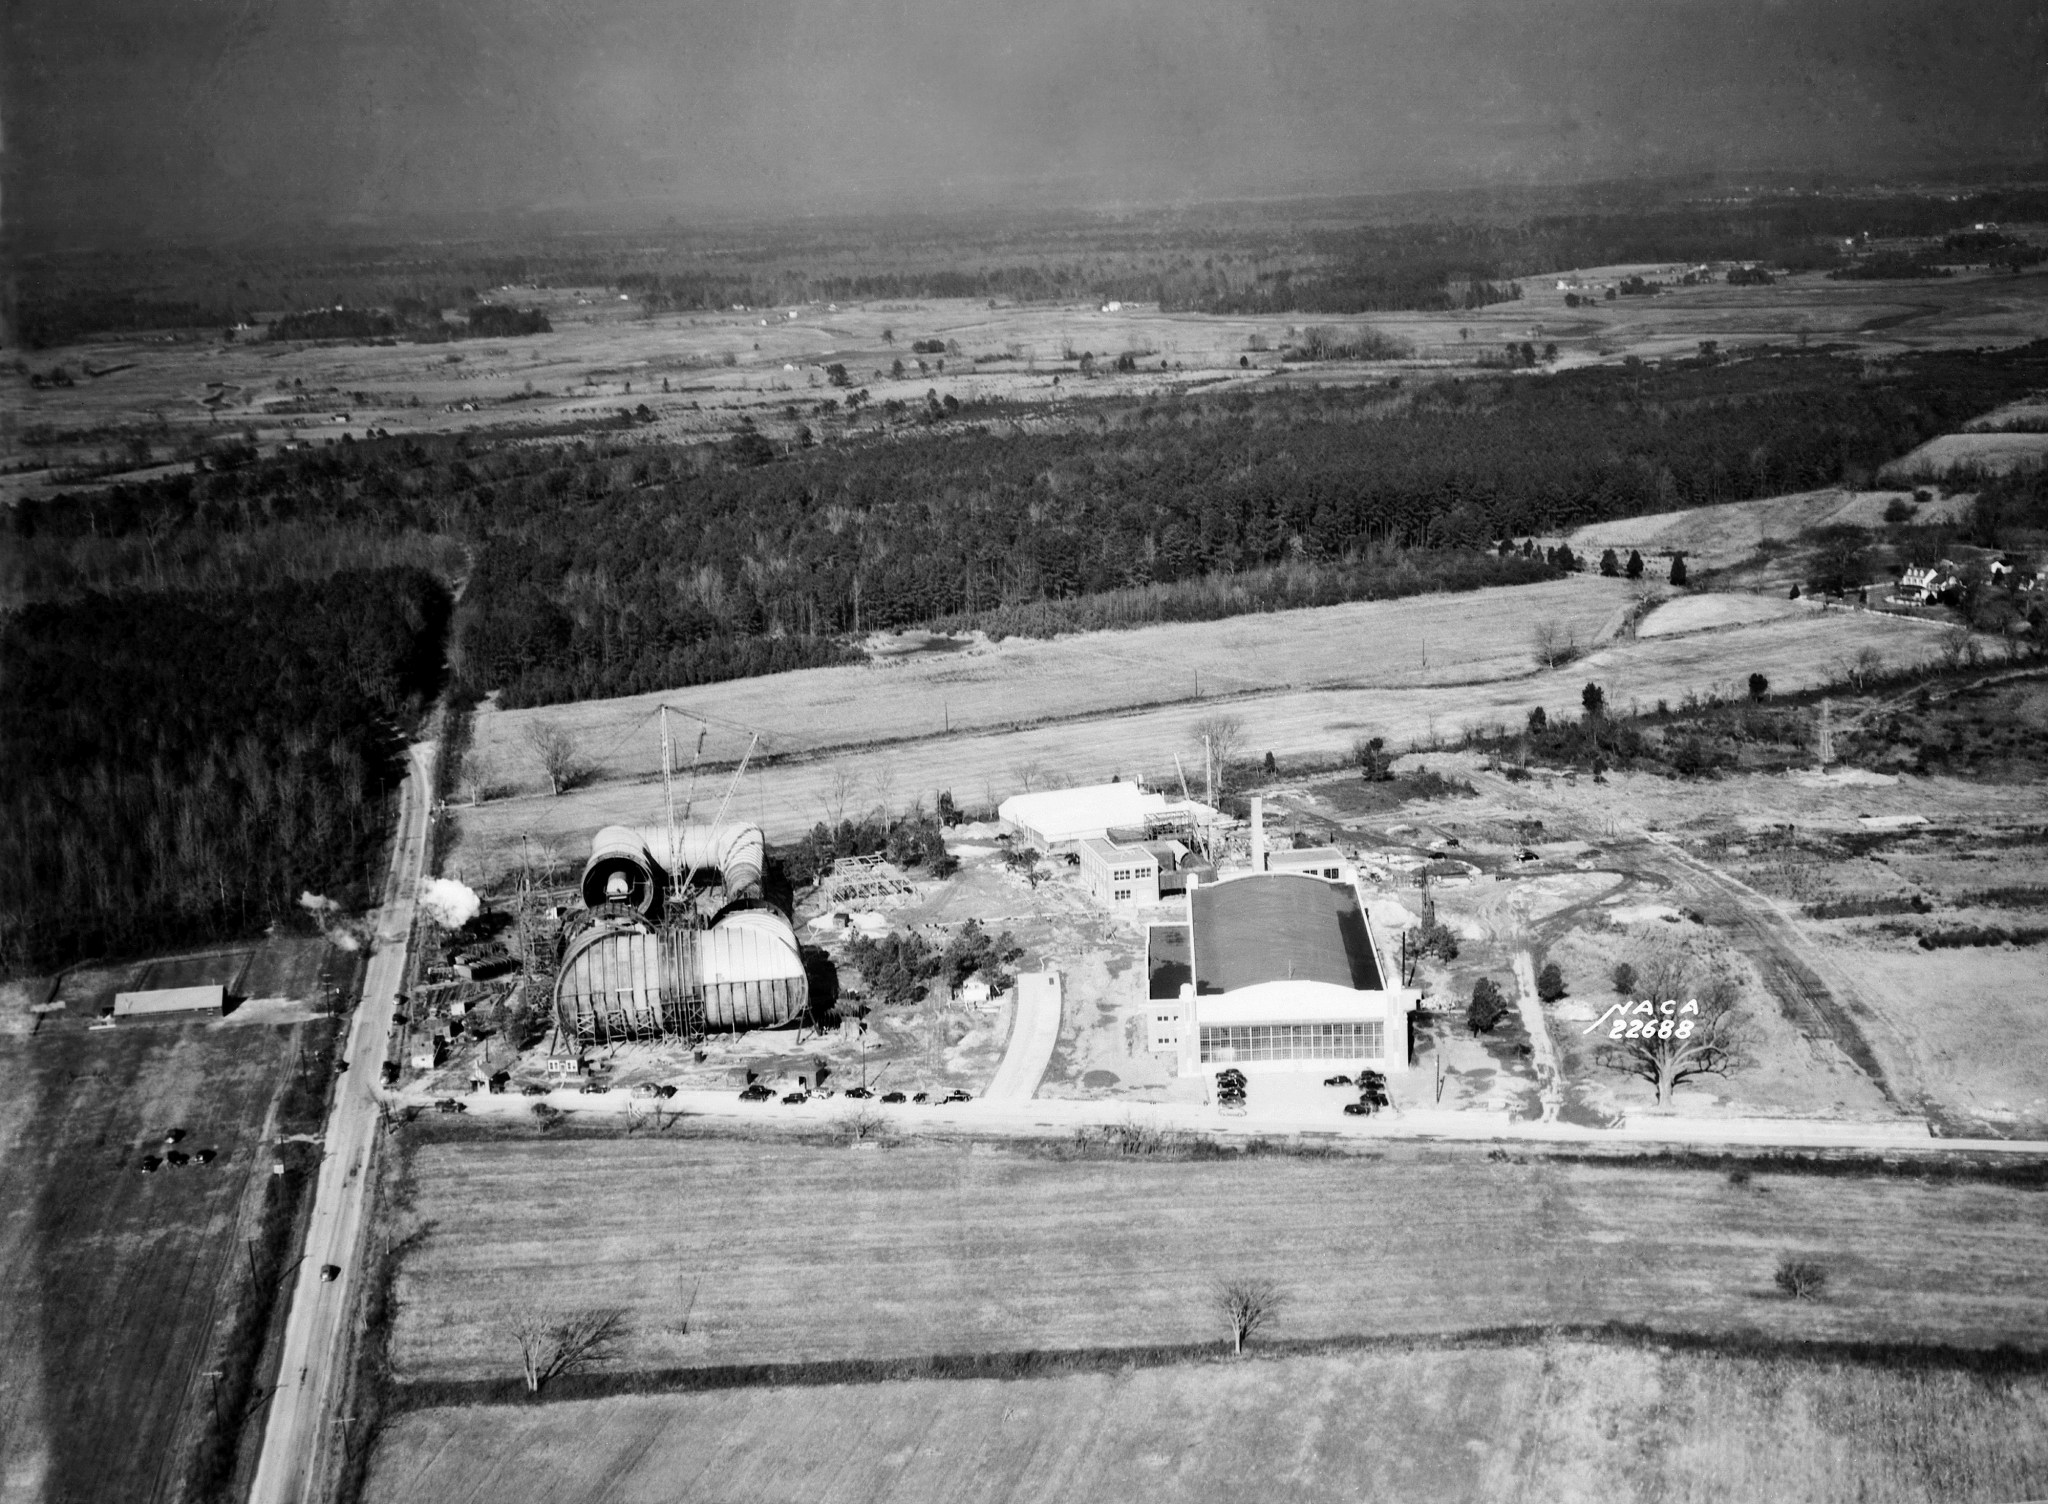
(316, 1333)
(1033, 1033)
(1303, 1108)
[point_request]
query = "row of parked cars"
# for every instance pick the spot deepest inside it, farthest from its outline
(761, 1091)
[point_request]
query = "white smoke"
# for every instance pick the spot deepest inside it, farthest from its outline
(340, 930)
(448, 903)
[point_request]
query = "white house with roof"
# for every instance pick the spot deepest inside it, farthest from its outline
(1054, 817)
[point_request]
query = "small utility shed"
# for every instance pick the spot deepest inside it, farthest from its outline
(171, 1001)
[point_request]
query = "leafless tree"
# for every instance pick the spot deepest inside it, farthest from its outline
(1222, 735)
(1028, 773)
(551, 1345)
(838, 792)
(1546, 641)
(559, 753)
(864, 1125)
(1246, 1305)
(1691, 1029)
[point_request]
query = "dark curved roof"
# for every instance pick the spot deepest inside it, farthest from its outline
(1280, 926)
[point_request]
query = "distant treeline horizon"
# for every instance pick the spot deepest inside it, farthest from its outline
(613, 566)
(1224, 263)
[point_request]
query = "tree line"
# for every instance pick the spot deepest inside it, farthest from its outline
(183, 766)
(613, 567)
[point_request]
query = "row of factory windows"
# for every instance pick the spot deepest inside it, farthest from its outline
(1223, 1044)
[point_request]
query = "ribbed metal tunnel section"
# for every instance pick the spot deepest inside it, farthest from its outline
(628, 980)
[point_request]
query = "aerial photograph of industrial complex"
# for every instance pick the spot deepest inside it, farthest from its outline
(963, 752)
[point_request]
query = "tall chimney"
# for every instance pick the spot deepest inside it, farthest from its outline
(1258, 834)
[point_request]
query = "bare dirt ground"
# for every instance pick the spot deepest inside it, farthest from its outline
(1557, 1421)
(797, 1253)
(1851, 1017)
(788, 798)
(604, 355)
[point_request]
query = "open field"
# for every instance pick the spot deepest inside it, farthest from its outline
(821, 1252)
(1561, 1421)
(113, 1285)
(603, 355)
(1995, 452)
(1731, 533)
(1420, 640)
(787, 799)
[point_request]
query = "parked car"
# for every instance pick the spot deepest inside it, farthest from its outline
(1357, 1110)
(757, 1093)
(792, 1098)
(450, 1104)
(177, 1159)
(1336, 1080)
(329, 1273)
(646, 1089)
(151, 1164)
(535, 1089)
(956, 1095)
(895, 1096)
(858, 1093)
(206, 1156)
(593, 1087)
(174, 1135)
(664, 1090)
(923, 1096)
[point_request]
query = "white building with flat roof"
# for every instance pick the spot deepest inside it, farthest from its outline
(1275, 971)
(1055, 816)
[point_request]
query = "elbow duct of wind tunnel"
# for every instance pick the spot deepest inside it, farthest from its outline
(632, 866)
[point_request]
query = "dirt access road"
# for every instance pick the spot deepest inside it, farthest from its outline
(316, 1332)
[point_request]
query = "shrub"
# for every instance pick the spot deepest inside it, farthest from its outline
(1801, 1279)
(1550, 982)
(1488, 1007)
(1624, 979)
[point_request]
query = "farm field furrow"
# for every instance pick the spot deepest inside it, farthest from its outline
(802, 1253)
(788, 799)
(1564, 1421)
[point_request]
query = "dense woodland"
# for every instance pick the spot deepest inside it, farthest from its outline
(1356, 256)
(178, 767)
(612, 567)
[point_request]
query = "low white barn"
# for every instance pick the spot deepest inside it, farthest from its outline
(1054, 816)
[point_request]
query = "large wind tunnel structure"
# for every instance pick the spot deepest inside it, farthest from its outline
(677, 940)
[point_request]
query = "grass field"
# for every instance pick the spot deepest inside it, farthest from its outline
(112, 1284)
(787, 799)
(801, 1253)
(1557, 1421)
(1729, 533)
(1422, 640)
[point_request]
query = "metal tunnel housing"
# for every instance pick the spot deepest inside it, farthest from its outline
(625, 978)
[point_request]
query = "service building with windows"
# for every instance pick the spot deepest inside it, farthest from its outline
(1275, 971)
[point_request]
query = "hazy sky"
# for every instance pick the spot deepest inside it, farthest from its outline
(219, 117)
